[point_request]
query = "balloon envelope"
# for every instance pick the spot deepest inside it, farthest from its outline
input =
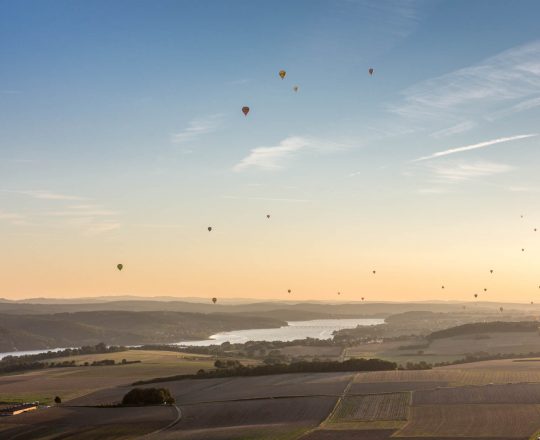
(214, 300)
(282, 74)
(370, 70)
(119, 266)
(245, 110)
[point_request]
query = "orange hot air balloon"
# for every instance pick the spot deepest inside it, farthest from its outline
(370, 71)
(245, 110)
(282, 74)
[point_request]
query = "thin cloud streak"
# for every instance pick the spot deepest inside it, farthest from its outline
(44, 195)
(474, 146)
(455, 129)
(269, 199)
(196, 128)
(465, 171)
(490, 87)
(274, 157)
(269, 158)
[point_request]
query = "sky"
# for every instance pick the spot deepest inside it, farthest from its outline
(122, 140)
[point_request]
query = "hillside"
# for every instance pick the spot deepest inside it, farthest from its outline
(27, 332)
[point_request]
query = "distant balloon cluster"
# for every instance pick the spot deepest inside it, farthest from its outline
(246, 109)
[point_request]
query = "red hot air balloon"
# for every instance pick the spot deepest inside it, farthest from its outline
(245, 110)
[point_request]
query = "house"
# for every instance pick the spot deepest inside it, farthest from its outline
(13, 410)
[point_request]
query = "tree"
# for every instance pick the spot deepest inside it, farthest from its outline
(148, 396)
(57, 400)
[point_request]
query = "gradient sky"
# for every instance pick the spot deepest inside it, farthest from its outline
(122, 139)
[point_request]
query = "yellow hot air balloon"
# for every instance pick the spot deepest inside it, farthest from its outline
(282, 74)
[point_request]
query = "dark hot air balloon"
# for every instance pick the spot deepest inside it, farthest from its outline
(209, 228)
(370, 71)
(295, 88)
(245, 110)
(119, 266)
(214, 300)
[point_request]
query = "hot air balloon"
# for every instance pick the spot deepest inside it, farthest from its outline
(534, 229)
(289, 290)
(490, 270)
(245, 110)
(476, 295)
(267, 215)
(442, 287)
(119, 266)
(532, 302)
(362, 298)
(209, 228)
(522, 249)
(370, 71)
(485, 289)
(282, 74)
(214, 300)
(374, 272)
(501, 309)
(339, 293)
(295, 88)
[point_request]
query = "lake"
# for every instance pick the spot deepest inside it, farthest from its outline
(24, 353)
(318, 328)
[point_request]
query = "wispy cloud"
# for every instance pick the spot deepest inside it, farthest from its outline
(465, 171)
(272, 157)
(44, 195)
(101, 227)
(455, 129)
(13, 218)
(198, 127)
(474, 146)
(269, 199)
(491, 85)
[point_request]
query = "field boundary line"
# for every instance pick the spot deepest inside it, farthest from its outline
(169, 426)
(334, 409)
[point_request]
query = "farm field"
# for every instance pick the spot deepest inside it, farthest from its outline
(86, 423)
(495, 420)
(192, 391)
(451, 348)
(373, 407)
(299, 414)
(507, 393)
(484, 400)
(72, 382)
